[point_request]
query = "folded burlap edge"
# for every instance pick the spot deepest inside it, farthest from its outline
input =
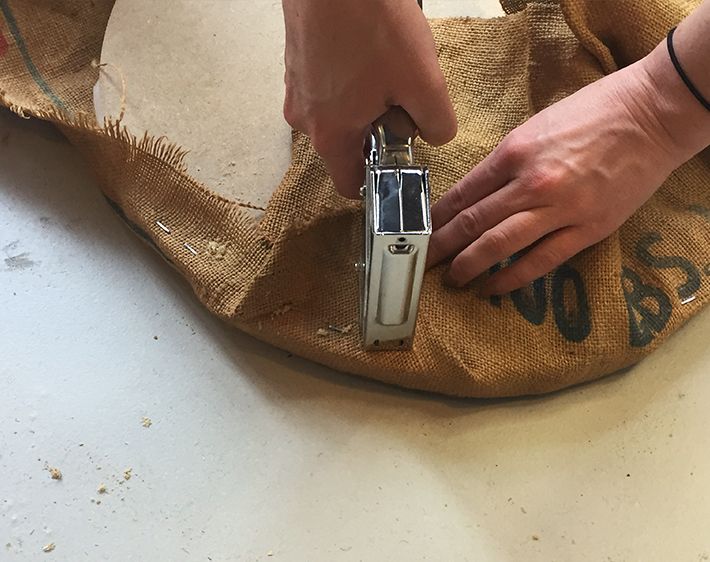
(223, 297)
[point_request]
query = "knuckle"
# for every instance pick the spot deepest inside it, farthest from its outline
(292, 115)
(470, 223)
(542, 181)
(456, 197)
(291, 118)
(497, 243)
(514, 149)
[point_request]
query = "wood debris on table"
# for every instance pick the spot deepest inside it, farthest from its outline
(49, 547)
(101, 489)
(127, 474)
(55, 473)
(282, 310)
(146, 422)
(216, 249)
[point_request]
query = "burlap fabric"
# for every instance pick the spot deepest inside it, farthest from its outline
(288, 278)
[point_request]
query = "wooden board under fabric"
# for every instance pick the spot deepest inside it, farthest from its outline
(208, 75)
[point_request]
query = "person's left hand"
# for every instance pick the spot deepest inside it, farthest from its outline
(560, 182)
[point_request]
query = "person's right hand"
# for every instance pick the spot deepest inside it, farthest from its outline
(347, 61)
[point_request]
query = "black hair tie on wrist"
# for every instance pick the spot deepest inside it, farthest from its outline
(682, 74)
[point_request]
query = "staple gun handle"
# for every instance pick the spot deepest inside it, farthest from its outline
(393, 135)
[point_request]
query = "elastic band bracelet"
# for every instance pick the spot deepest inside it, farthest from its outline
(681, 72)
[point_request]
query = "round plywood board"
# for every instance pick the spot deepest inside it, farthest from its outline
(208, 75)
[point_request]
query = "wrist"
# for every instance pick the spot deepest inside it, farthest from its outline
(682, 123)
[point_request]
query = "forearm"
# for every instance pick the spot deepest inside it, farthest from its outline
(683, 120)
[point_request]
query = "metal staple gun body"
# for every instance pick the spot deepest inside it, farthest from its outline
(397, 231)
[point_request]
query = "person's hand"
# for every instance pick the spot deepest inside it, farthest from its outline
(346, 63)
(567, 178)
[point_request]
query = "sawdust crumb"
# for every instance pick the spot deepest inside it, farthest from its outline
(217, 249)
(101, 489)
(49, 547)
(281, 311)
(127, 474)
(270, 553)
(535, 538)
(146, 422)
(55, 473)
(322, 332)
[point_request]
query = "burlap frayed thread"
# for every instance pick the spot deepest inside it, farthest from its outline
(122, 100)
(16, 108)
(289, 278)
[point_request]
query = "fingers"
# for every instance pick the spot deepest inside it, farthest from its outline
(431, 109)
(510, 236)
(488, 176)
(343, 158)
(550, 253)
(472, 222)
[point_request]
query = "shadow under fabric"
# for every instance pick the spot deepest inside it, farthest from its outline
(288, 277)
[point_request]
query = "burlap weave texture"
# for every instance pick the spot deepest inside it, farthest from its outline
(290, 276)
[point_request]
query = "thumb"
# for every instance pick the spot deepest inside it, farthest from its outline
(431, 109)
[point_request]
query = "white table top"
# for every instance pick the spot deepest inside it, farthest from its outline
(256, 455)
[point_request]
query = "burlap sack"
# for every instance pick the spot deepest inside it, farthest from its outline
(288, 278)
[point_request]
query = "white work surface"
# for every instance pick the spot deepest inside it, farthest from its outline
(256, 455)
